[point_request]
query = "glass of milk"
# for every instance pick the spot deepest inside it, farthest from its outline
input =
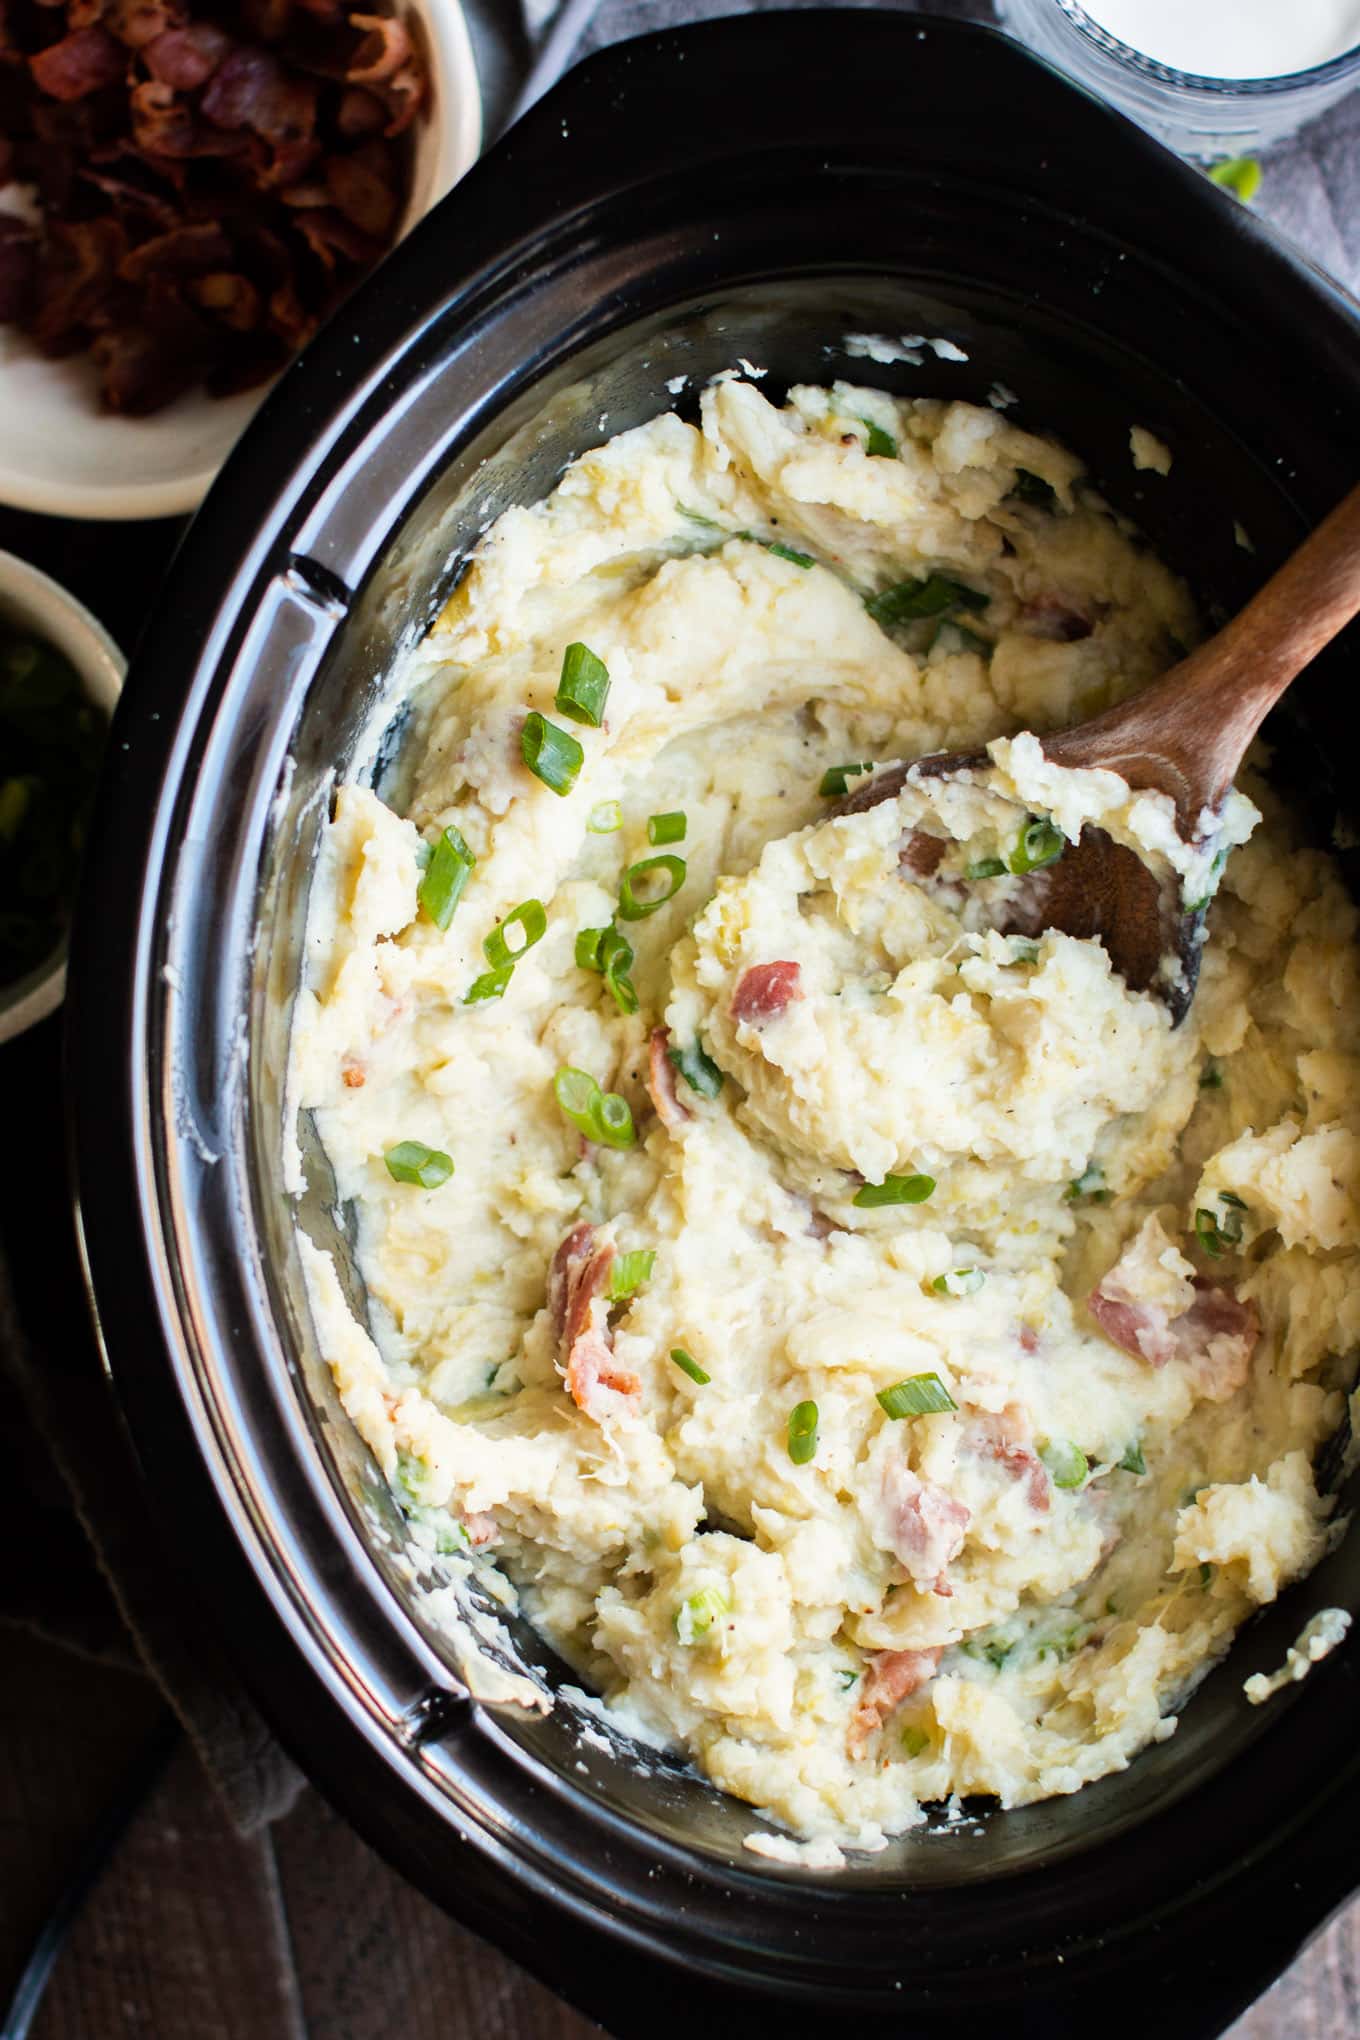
(1211, 77)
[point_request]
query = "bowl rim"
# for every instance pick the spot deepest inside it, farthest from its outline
(446, 147)
(148, 1169)
(36, 602)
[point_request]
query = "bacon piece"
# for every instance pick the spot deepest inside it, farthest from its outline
(78, 271)
(481, 1528)
(18, 267)
(890, 1678)
(385, 49)
(360, 185)
(1216, 1334)
(923, 1525)
(580, 1312)
(184, 251)
(139, 22)
(186, 58)
(329, 234)
(162, 125)
(226, 296)
(765, 991)
(359, 113)
(1008, 1437)
(921, 853)
(83, 62)
(1050, 617)
(352, 1075)
(661, 1081)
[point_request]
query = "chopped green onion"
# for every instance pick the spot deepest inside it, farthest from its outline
(1067, 1464)
(631, 908)
(881, 444)
(599, 1115)
(1133, 1460)
(409, 1474)
(895, 1190)
(690, 1366)
(531, 919)
(786, 552)
(1206, 1573)
(802, 1432)
(15, 797)
(986, 867)
(699, 1070)
(629, 1273)
(1220, 1231)
(835, 776)
(552, 755)
(914, 1740)
(668, 828)
(1064, 1641)
(410, 1161)
(1241, 175)
(1211, 884)
(446, 874)
(1037, 845)
(698, 517)
(696, 1616)
(846, 1677)
(588, 942)
(928, 597)
(1023, 951)
(959, 1282)
(583, 688)
(1033, 489)
(920, 1395)
(949, 633)
(490, 985)
(605, 818)
(1089, 1185)
(1211, 1076)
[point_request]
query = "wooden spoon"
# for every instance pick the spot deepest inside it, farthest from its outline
(1183, 736)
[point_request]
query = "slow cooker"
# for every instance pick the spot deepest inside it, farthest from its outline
(758, 188)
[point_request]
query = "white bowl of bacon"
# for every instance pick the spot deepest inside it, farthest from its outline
(188, 188)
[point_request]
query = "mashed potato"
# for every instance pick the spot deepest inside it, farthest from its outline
(884, 1352)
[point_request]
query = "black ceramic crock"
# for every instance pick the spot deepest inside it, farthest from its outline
(758, 188)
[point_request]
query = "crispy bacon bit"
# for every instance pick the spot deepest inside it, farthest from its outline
(890, 1678)
(920, 854)
(577, 1281)
(213, 179)
(661, 1081)
(1008, 1437)
(352, 1074)
(923, 1525)
(481, 1528)
(1029, 1339)
(83, 62)
(1215, 1335)
(765, 991)
(1050, 617)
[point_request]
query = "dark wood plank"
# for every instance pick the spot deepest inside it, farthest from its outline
(183, 1936)
(374, 1957)
(69, 1728)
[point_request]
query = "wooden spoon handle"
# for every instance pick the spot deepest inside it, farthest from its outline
(1187, 733)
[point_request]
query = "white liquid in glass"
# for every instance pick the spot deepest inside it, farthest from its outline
(1233, 38)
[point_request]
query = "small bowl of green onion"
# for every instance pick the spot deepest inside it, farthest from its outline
(60, 676)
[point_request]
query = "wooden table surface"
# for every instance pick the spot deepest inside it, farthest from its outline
(300, 1933)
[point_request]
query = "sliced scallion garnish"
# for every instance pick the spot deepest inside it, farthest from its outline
(696, 1615)
(1215, 873)
(446, 874)
(690, 1366)
(601, 1116)
(629, 1273)
(606, 951)
(920, 1395)
(835, 776)
(699, 1070)
(895, 1190)
(1067, 1464)
(529, 917)
(1211, 1076)
(1219, 1232)
(986, 867)
(1132, 1460)
(1038, 844)
(490, 985)
(930, 596)
(802, 1432)
(588, 941)
(847, 1677)
(583, 688)
(667, 828)
(786, 552)
(879, 443)
(1088, 1187)
(605, 818)
(1241, 175)
(551, 754)
(410, 1161)
(914, 1740)
(1023, 951)
(632, 906)
(959, 1282)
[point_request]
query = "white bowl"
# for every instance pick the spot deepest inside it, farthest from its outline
(33, 602)
(59, 452)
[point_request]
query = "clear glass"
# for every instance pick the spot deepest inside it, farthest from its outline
(1201, 117)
